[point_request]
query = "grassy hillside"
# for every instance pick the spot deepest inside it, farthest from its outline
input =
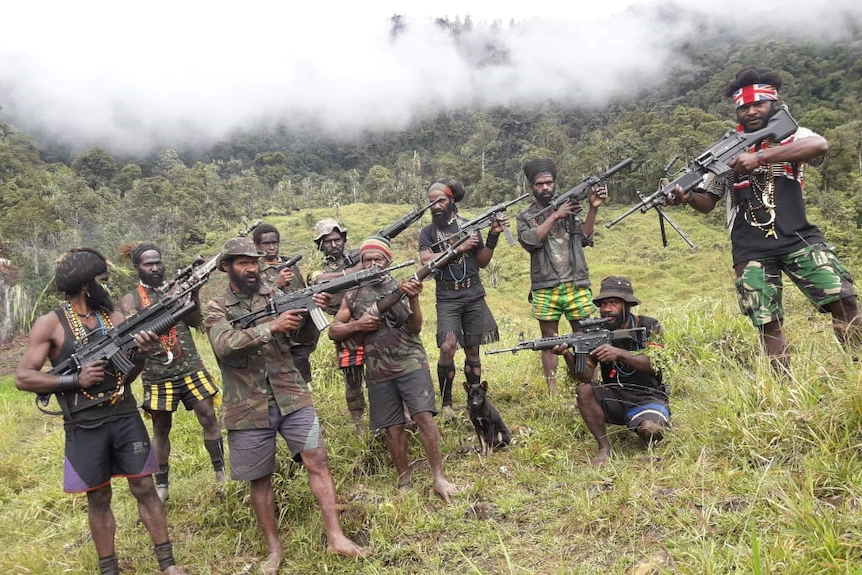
(758, 475)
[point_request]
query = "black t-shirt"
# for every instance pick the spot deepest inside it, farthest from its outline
(459, 269)
(757, 229)
(627, 376)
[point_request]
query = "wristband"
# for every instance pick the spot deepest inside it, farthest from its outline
(493, 238)
(761, 157)
(68, 383)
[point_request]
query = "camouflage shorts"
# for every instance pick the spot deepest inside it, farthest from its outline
(816, 271)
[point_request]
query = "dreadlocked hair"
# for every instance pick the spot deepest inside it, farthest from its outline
(751, 75)
(456, 186)
(134, 250)
(265, 229)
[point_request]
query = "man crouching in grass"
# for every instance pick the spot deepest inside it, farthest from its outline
(631, 392)
(396, 365)
(265, 394)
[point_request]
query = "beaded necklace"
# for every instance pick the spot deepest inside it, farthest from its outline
(80, 333)
(462, 259)
(169, 340)
(762, 183)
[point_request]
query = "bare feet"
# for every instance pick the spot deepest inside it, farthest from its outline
(552, 385)
(601, 457)
(445, 490)
(273, 562)
(221, 477)
(173, 570)
(162, 491)
(405, 486)
(341, 545)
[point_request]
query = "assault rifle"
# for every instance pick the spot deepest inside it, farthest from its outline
(114, 345)
(715, 161)
(244, 232)
(582, 190)
(484, 221)
(352, 258)
(303, 299)
(389, 300)
(591, 336)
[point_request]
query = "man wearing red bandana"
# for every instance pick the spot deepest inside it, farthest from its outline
(769, 231)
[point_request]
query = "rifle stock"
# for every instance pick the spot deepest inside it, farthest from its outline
(389, 232)
(303, 299)
(714, 162)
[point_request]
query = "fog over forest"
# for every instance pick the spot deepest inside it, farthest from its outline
(184, 76)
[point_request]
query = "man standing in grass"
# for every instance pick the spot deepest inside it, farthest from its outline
(330, 237)
(267, 240)
(769, 231)
(264, 394)
(174, 372)
(396, 365)
(463, 317)
(105, 436)
(631, 392)
(559, 277)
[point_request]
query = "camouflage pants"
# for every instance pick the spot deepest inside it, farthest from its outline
(815, 269)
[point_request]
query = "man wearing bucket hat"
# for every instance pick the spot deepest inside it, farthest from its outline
(265, 394)
(631, 392)
(770, 234)
(330, 238)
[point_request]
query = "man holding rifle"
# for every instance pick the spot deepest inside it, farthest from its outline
(559, 277)
(396, 364)
(769, 230)
(267, 240)
(631, 392)
(265, 394)
(174, 372)
(463, 317)
(108, 438)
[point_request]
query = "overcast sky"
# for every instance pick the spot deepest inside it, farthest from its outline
(128, 75)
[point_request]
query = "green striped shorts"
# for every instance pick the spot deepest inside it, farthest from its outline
(549, 304)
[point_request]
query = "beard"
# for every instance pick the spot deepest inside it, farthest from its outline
(241, 281)
(618, 320)
(154, 279)
(442, 218)
(99, 298)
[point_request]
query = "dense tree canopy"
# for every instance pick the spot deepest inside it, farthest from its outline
(51, 199)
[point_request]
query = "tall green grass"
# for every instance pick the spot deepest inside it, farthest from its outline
(759, 474)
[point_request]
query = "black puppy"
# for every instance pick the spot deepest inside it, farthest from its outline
(489, 426)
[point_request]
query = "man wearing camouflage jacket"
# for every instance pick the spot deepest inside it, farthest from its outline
(265, 394)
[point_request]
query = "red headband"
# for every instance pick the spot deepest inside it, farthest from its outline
(754, 93)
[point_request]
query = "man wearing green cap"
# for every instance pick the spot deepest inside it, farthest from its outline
(631, 392)
(265, 394)
(330, 237)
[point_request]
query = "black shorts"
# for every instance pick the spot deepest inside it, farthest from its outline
(623, 406)
(117, 448)
(471, 322)
(415, 389)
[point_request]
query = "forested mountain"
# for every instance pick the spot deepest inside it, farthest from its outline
(53, 198)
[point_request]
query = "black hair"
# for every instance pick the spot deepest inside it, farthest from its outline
(751, 75)
(265, 229)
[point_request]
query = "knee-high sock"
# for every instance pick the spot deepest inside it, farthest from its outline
(446, 375)
(215, 447)
(473, 371)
